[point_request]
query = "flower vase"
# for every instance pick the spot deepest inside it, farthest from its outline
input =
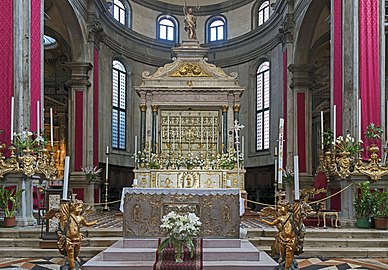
(178, 247)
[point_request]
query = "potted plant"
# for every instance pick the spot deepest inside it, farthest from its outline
(363, 205)
(10, 201)
(380, 209)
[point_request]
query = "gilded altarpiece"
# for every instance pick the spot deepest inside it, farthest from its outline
(188, 110)
(218, 210)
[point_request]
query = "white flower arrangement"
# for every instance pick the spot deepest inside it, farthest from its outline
(180, 230)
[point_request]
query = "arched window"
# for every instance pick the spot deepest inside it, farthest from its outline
(121, 12)
(167, 28)
(262, 106)
(216, 29)
(263, 13)
(119, 105)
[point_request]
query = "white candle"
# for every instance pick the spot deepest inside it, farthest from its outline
(51, 128)
(242, 147)
(38, 118)
(276, 170)
(12, 112)
(386, 131)
(322, 130)
(134, 182)
(66, 178)
(359, 120)
(107, 150)
(135, 145)
(280, 157)
(106, 167)
(334, 123)
(296, 177)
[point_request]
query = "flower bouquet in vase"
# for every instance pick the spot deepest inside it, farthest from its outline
(180, 231)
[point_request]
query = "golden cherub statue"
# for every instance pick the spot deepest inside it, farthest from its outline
(71, 217)
(288, 219)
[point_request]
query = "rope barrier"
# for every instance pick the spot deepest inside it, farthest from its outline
(315, 202)
(103, 203)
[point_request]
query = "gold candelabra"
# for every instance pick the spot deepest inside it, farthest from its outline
(28, 161)
(344, 163)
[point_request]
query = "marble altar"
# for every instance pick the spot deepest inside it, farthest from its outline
(217, 209)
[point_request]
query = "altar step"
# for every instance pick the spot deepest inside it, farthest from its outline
(319, 242)
(331, 242)
(218, 254)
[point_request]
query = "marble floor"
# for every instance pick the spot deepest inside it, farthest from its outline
(305, 264)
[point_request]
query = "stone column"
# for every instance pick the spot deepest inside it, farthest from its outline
(143, 109)
(80, 111)
(22, 59)
(350, 56)
(224, 128)
(302, 117)
(154, 113)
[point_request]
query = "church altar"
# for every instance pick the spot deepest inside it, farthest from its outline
(217, 209)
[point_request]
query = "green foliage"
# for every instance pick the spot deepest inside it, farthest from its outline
(373, 133)
(327, 137)
(380, 204)
(10, 196)
(363, 204)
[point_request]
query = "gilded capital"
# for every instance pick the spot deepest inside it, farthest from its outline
(154, 108)
(236, 107)
(224, 108)
(143, 107)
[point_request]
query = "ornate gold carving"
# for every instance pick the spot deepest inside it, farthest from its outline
(154, 108)
(190, 70)
(143, 107)
(224, 108)
(190, 83)
(236, 107)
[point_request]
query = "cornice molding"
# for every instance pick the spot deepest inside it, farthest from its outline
(203, 11)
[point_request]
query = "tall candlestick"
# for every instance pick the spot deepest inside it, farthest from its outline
(66, 178)
(334, 123)
(359, 120)
(51, 128)
(135, 145)
(12, 112)
(280, 157)
(296, 177)
(38, 118)
(322, 130)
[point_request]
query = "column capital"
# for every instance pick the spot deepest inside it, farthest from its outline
(143, 107)
(236, 107)
(224, 108)
(79, 73)
(154, 108)
(95, 32)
